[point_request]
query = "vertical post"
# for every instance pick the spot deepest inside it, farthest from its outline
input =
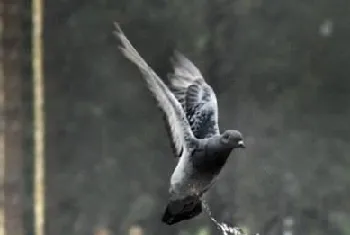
(39, 125)
(2, 126)
(11, 117)
(288, 223)
(290, 189)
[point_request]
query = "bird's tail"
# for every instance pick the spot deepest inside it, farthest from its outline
(182, 209)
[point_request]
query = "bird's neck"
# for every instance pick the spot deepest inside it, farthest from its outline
(215, 155)
(218, 149)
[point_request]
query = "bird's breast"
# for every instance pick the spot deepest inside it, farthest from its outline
(209, 162)
(185, 180)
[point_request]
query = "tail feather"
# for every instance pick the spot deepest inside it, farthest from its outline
(184, 209)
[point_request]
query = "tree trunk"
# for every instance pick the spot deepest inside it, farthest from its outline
(11, 161)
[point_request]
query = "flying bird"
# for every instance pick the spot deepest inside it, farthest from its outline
(190, 108)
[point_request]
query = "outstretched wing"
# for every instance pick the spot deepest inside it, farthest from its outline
(196, 97)
(179, 128)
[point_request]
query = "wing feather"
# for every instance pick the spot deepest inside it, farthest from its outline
(179, 128)
(196, 96)
(185, 74)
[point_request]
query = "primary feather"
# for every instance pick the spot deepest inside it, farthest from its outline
(179, 128)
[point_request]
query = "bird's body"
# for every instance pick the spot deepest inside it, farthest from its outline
(194, 174)
(191, 115)
(192, 177)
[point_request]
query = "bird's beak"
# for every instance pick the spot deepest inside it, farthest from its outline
(241, 144)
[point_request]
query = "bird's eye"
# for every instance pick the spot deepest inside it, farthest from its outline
(227, 137)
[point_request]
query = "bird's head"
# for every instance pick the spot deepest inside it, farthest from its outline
(232, 138)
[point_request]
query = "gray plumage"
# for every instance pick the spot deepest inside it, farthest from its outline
(196, 96)
(190, 108)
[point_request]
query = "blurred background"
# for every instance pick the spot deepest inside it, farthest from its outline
(280, 69)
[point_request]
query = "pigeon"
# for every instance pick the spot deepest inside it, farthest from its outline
(190, 109)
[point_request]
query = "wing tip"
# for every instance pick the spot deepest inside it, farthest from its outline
(184, 68)
(117, 30)
(178, 59)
